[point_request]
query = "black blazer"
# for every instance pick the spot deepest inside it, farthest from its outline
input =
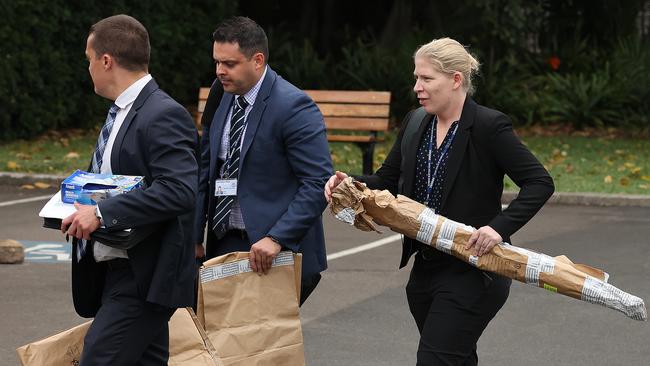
(157, 140)
(484, 150)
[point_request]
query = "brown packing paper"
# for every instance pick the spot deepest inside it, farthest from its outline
(188, 346)
(63, 349)
(252, 319)
(354, 203)
(188, 342)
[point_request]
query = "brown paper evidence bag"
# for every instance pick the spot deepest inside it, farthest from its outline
(243, 319)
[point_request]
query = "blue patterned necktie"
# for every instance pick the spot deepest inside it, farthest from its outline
(224, 203)
(98, 157)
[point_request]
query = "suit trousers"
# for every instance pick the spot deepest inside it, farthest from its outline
(237, 241)
(127, 330)
(452, 303)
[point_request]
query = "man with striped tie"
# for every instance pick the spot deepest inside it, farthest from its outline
(264, 160)
(132, 293)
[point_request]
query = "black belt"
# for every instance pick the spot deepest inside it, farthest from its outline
(118, 263)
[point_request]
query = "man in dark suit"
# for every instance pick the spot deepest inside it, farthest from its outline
(133, 293)
(264, 160)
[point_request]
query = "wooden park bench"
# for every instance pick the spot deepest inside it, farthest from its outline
(350, 116)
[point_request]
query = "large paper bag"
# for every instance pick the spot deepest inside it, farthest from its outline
(188, 345)
(251, 319)
(63, 349)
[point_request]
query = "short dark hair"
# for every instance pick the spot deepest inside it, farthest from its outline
(124, 38)
(246, 33)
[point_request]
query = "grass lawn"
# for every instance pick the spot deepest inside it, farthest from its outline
(577, 163)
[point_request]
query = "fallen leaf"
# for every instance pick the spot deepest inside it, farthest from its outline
(629, 165)
(27, 186)
(23, 156)
(12, 165)
(644, 186)
(569, 168)
(624, 181)
(41, 185)
(71, 155)
(635, 171)
(608, 179)
(646, 177)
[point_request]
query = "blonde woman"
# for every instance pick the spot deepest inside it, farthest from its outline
(451, 155)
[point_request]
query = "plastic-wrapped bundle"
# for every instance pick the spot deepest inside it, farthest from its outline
(357, 205)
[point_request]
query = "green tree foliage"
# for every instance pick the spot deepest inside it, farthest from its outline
(583, 62)
(44, 82)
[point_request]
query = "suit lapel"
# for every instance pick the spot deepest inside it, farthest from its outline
(139, 101)
(411, 155)
(459, 147)
(255, 116)
(216, 132)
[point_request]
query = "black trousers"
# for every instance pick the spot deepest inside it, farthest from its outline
(237, 241)
(452, 303)
(127, 330)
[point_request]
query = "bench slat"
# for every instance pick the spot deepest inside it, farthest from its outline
(354, 110)
(203, 93)
(348, 96)
(345, 138)
(358, 124)
(352, 138)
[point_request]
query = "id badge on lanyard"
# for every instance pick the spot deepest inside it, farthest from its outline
(225, 187)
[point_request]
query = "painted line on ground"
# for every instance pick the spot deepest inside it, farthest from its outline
(25, 200)
(364, 247)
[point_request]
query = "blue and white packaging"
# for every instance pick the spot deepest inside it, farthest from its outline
(89, 188)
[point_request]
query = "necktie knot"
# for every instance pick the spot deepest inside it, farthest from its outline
(241, 102)
(113, 109)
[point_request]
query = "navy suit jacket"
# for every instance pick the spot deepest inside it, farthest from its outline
(157, 140)
(284, 164)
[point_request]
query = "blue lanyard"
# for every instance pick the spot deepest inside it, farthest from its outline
(431, 178)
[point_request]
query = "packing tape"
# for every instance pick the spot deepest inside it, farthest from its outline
(428, 221)
(220, 271)
(446, 236)
(346, 215)
(598, 292)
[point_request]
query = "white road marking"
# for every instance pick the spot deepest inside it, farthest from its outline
(364, 247)
(25, 200)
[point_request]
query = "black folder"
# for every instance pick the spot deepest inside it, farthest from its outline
(119, 239)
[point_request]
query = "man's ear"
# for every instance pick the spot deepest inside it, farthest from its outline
(107, 61)
(258, 58)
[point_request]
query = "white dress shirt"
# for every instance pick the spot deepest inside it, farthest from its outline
(236, 221)
(124, 101)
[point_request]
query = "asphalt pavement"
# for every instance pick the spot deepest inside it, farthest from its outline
(358, 314)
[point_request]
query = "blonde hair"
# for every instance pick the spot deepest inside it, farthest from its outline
(449, 56)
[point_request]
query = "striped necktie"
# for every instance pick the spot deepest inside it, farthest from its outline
(98, 157)
(224, 203)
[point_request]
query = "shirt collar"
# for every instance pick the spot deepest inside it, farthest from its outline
(251, 95)
(129, 94)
